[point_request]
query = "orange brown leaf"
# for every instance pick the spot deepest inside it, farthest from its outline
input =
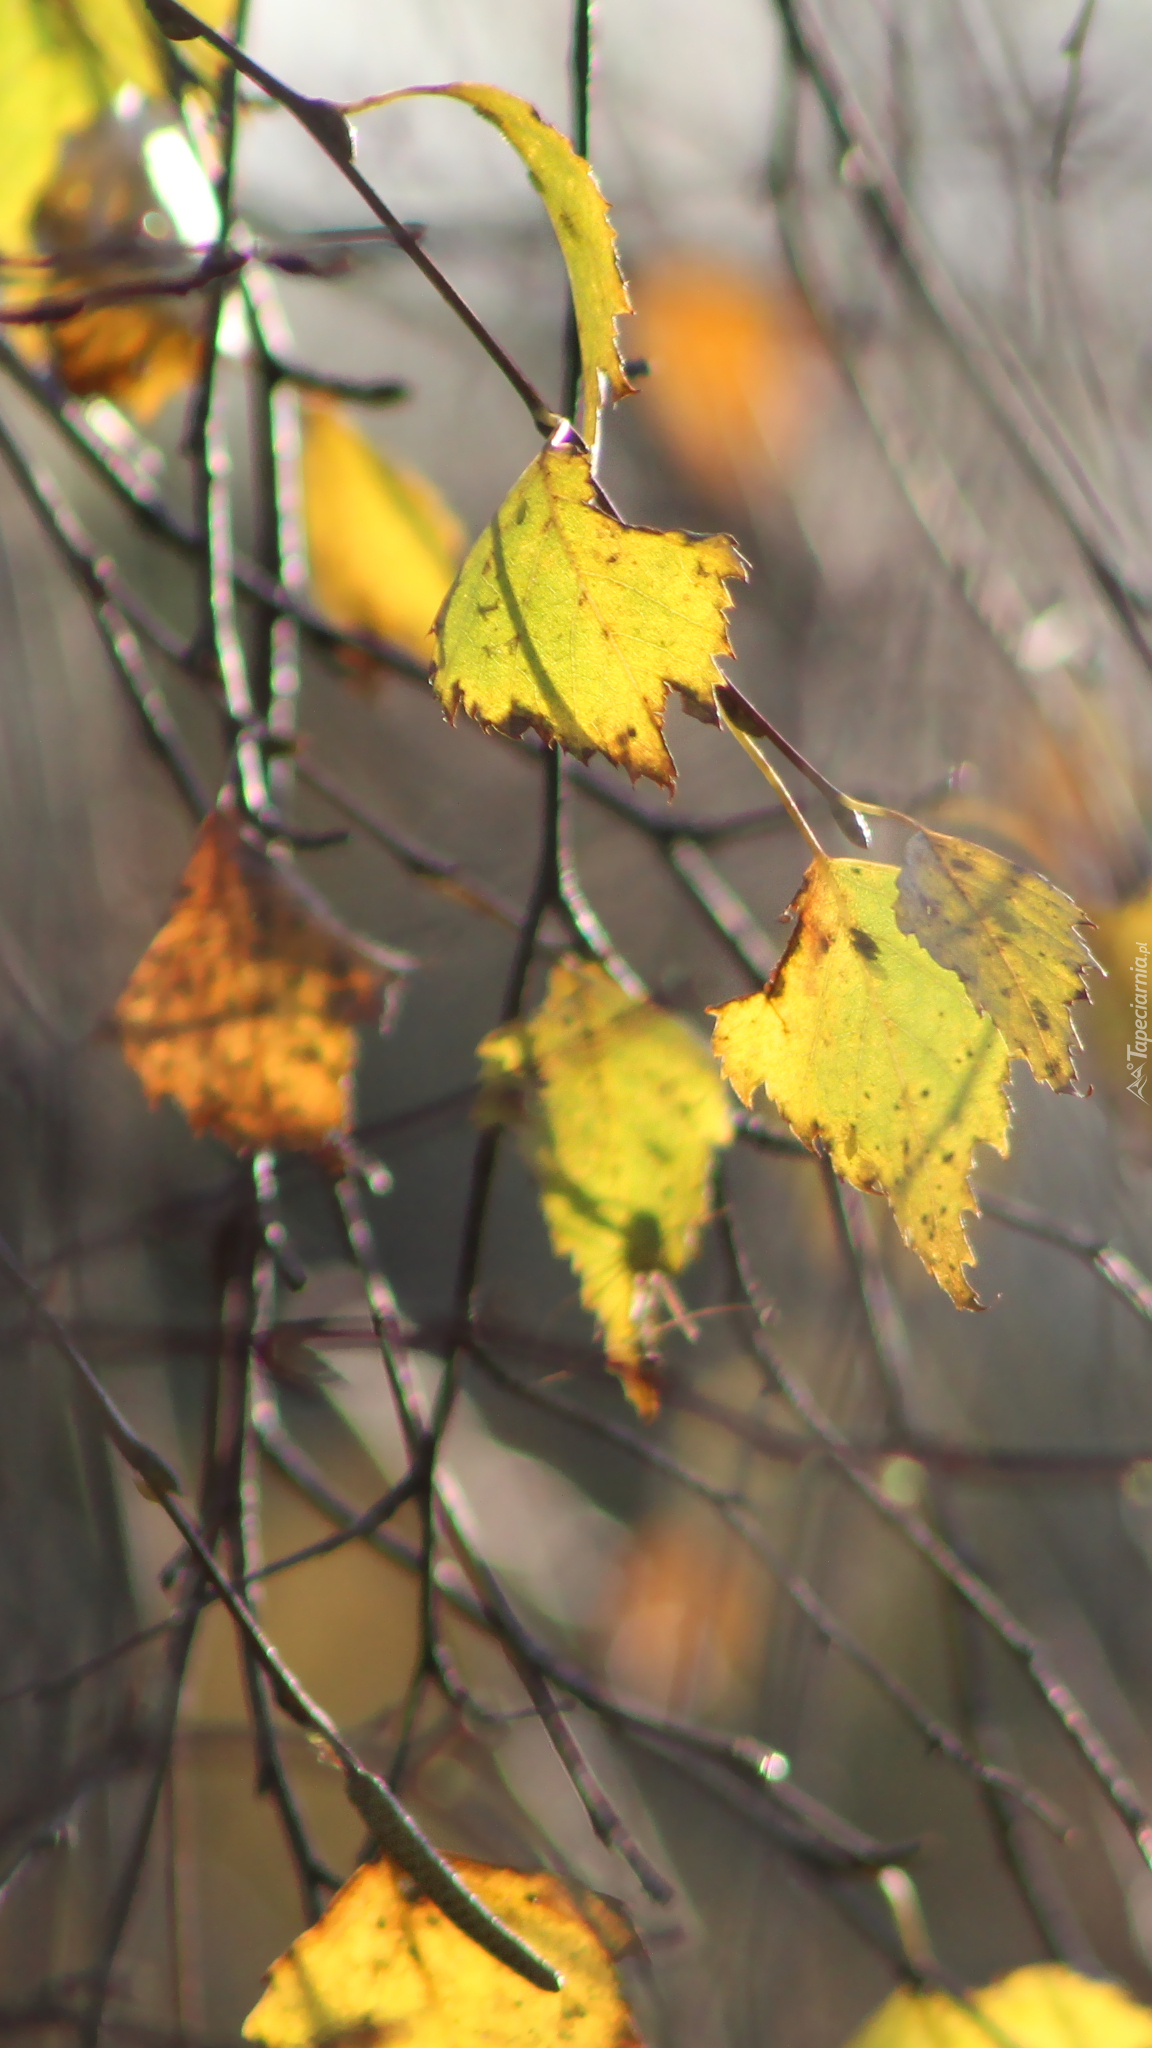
(244, 1007)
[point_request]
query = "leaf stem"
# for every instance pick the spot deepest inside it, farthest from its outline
(757, 754)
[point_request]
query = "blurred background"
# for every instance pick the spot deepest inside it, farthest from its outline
(888, 267)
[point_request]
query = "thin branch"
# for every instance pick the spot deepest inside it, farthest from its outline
(1116, 1271)
(1029, 1649)
(140, 495)
(396, 1832)
(813, 1832)
(725, 910)
(124, 1891)
(803, 1595)
(1073, 48)
(445, 876)
(96, 578)
(991, 364)
(1058, 1927)
(329, 129)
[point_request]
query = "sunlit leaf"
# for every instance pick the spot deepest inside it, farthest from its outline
(384, 1965)
(579, 214)
(244, 1006)
(60, 67)
(1010, 936)
(567, 621)
(382, 544)
(738, 376)
(618, 1111)
(1044, 2005)
(874, 1052)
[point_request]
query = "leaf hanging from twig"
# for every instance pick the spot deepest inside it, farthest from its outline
(567, 621)
(383, 1963)
(619, 1113)
(875, 1053)
(579, 214)
(244, 1006)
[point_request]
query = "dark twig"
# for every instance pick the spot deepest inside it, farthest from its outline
(329, 129)
(1117, 1272)
(815, 1833)
(396, 1832)
(97, 580)
(800, 1592)
(1056, 1925)
(140, 495)
(1072, 48)
(1028, 1648)
(991, 364)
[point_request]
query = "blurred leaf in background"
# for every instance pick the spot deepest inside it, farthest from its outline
(383, 546)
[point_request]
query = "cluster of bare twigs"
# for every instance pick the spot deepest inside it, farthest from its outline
(244, 655)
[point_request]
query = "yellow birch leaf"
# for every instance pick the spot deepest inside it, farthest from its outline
(1011, 937)
(384, 1965)
(874, 1052)
(382, 545)
(244, 1006)
(579, 215)
(618, 1112)
(567, 621)
(60, 66)
(1044, 2005)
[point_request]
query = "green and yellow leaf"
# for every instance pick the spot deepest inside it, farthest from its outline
(875, 1053)
(566, 621)
(382, 544)
(383, 1964)
(1012, 938)
(244, 1007)
(579, 215)
(619, 1112)
(1044, 2005)
(60, 67)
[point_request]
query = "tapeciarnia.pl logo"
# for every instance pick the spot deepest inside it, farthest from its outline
(1138, 1052)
